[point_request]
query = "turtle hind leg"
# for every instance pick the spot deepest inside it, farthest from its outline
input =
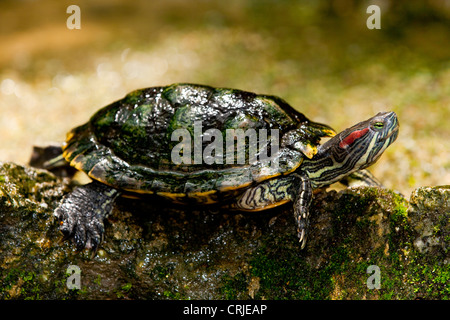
(81, 213)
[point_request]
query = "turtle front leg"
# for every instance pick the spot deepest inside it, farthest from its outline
(302, 202)
(81, 213)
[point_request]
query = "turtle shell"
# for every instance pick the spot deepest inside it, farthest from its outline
(129, 144)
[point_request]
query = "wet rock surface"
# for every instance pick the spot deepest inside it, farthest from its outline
(155, 250)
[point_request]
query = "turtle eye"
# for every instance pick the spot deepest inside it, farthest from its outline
(378, 125)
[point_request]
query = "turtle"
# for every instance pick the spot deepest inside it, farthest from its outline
(195, 145)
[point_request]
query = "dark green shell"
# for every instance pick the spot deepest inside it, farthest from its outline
(128, 144)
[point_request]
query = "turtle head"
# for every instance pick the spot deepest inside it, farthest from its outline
(364, 143)
(353, 149)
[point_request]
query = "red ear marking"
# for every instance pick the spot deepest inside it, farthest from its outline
(355, 135)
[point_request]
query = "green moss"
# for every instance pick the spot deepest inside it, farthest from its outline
(400, 210)
(429, 279)
(123, 291)
(20, 284)
(286, 275)
(234, 287)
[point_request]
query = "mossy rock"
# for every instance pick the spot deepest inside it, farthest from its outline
(430, 213)
(154, 250)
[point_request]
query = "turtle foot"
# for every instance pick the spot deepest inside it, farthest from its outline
(81, 214)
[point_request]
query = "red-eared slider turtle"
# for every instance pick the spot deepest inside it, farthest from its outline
(196, 144)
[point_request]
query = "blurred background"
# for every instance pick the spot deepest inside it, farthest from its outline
(318, 55)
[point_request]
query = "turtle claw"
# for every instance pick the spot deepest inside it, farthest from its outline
(87, 236)
(302, 232)
(81, 214)
(83, 227)
(302, 238)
